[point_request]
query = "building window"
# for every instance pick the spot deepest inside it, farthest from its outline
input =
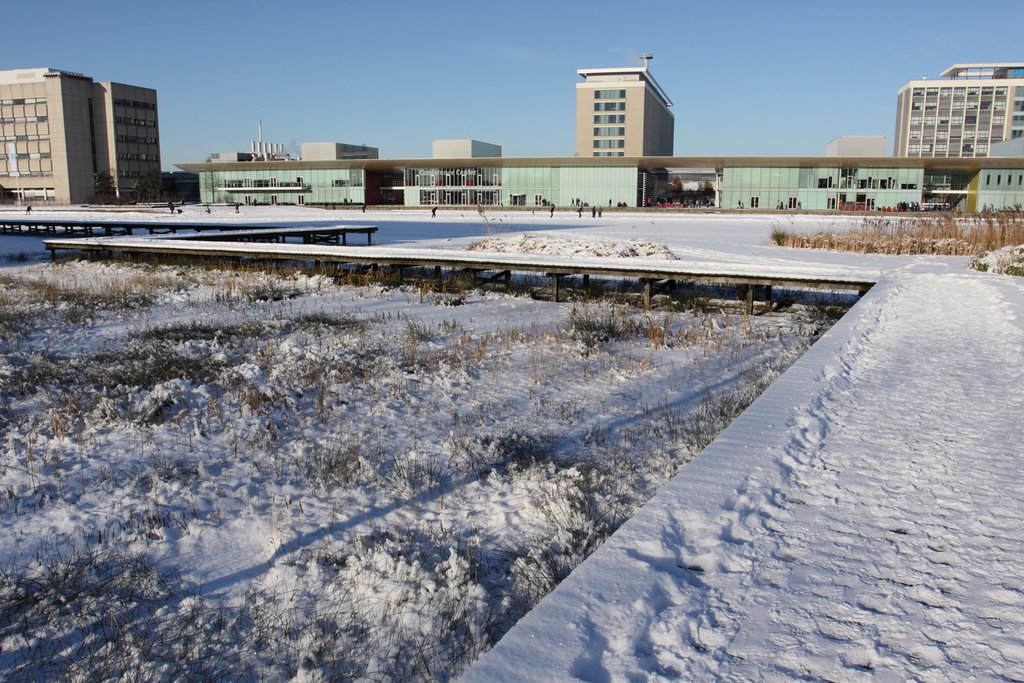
(609, 118)
(610, 131)
(609, 144)
(609, 106)
(609, 94)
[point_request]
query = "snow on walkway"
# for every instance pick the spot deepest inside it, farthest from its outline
(864, 518)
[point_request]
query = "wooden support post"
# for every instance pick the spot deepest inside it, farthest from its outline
(508, 280)
(369, 238)
(344, 240)
(749, 296)
(648, 286)
(768, 297)
(586, 281)
(437, 272)
(401, 274)
(555, 278)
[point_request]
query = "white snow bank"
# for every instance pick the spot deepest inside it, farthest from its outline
(864, 518)
(999, 260)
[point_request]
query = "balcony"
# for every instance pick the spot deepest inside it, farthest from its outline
(261, 186)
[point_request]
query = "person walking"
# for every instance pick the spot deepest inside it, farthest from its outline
(29, 209)
(552, 211)
(593, 212)
(433, 212)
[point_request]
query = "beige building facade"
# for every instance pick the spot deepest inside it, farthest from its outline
(963, 113)
(623, 112)
(58, 129)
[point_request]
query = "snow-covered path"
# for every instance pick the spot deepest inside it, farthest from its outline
(864, 517)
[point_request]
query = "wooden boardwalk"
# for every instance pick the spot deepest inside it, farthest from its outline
(652, 275)
(327, 234)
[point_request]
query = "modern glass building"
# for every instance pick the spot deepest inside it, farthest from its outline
(742, 183)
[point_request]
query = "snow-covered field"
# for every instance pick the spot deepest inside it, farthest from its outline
(233, 474)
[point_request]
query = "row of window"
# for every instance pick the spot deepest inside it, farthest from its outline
(945, 134)
(132, 121)
(609, 154)
(850, 182)
(263, 183)
(609, 144)
(27, 155)
(26, 119)
(609, 106)
(965, 90)
(609, 94)
(999, 179)
(135, 103)
(138, 157)
(942, 148)
(22, 138)
(959, 105)
(609, 131)
(25, 174)
(24, 111)
(25, 100)
(137, 139)
(609, 118)
(955, 120)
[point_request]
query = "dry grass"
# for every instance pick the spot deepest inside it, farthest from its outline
(942, 234)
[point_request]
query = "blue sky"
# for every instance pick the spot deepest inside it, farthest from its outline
(746, 78)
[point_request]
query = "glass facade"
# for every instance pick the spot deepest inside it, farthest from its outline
(820, 188)
(299, 185)
(811, 188)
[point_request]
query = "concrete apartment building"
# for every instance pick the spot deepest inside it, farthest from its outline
(963, 113)
(58, 129)
(623, 112)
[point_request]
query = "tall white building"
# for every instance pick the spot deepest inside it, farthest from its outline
(623, 112)
(962, 113)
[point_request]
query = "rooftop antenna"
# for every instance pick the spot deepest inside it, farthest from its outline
(646, 58)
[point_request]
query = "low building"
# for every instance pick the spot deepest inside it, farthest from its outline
(334, 151)
(858, 146)
(761, 183)
(464, 149)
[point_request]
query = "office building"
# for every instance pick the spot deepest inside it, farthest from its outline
(59, 129)
(963, 113)
(623, 112)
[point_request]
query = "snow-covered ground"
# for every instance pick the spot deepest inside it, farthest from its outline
(863, 518)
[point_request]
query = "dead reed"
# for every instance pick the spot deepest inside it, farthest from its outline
(942, 234)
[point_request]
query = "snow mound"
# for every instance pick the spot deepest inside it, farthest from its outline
(565, 246)
(1008, 260)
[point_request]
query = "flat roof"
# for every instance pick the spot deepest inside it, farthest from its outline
(957, 69)
(641, 71)
(965, 165)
